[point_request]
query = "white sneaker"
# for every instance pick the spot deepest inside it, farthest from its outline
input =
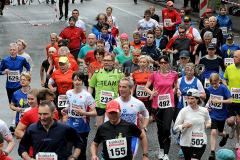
(160, 154)
(165, 157)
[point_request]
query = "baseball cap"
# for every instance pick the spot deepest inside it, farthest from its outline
(187, 19)
(225, 154)
(193, 92)
(63, 60)
(230, 36)
(169, 3)
(209, 10)
(211, 46)
(113, 106)
(184, 53)
(124, 36)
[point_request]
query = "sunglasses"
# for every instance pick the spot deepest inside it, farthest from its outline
(182, 32)
(163, 62)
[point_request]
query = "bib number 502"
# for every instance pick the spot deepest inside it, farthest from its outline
(197, 142)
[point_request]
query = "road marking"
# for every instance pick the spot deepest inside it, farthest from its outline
(131, 13)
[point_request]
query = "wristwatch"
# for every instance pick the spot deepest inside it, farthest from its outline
(145, 129)
(145, 154)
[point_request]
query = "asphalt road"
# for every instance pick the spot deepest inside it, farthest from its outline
(35, 22)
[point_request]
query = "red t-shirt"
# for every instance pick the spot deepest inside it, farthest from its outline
(94, 66)
(31, 116)
(173, 15)
(137, 46)
(4, 157)
(63, 80)
(50, 45)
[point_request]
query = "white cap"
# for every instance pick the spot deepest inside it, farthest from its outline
(193, 92)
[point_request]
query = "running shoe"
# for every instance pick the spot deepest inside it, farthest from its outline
(160, 154)
(223, 140)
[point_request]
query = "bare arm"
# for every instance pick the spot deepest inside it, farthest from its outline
(94, 148)
(20, 130)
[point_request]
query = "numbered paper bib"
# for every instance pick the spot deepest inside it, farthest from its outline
(215, 105)
(117, 148)
(13, 76)
(235, 93)
(144, 33)
(185, 101)
(197, 139)
(151, 67)
(228, 61)
(73, 113)
(224, 30)
(62, 101)
(140, 92)
(206, 83)
(164, 101)
(106, 96)
(167, 22)
(214, 40)
(46, 156)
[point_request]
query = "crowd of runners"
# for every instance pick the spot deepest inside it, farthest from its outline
(185, 79)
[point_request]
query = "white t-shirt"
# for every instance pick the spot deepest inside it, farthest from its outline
(144, 26)
(83, 100)
(28, 59)
(79, 23)
(194, 136)
(114, 19)
(130, 110)
(4, 131)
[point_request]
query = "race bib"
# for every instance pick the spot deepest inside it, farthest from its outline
(197, 139)
(215, 105)
(46, 156)
(107, 46)
(144, 33)
(62, 101)
(106, 96)
(73, 113)
(185, 101)
(228, 61)
(214, 40)
(235, 93)
(206, 83)
(224, 30)
(167, 22)
(164, 101)
(140, 92)
(13, 76)
(117, 148)
(151, 67)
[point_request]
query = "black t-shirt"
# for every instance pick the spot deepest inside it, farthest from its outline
(45, 65)
(212, 65)
(129, 67)
(203, 49)
(115, 136)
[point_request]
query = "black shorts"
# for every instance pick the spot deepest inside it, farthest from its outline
(219, 125)
(100, 111)
(234, 109)
(193, 152)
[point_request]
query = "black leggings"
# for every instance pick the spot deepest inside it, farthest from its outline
(164, 119)
(66, 7)
(193, 152)
(84, 137)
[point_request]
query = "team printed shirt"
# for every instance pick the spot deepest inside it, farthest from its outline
(170, 16)
(19, 99)
(83, 100)
(116, 139)
(62, 80)
(218, 110)
(163, 84)
(144, 26)
(15, 65)
(140, 79)
(106, 85)
(232, 74)
(194, 136)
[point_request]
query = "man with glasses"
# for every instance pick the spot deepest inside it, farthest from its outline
(105, 81)
(170, 18)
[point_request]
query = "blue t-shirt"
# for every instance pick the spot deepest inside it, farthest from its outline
(19, 99)
(219, 111)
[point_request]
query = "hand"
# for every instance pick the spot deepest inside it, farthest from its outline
(6, 71)
(94, 158)
(216, 101)
(179, 93)
(64, 111)
(171, 24)
(154, 93)
(186, 125)
(175, 51)
(79, 111)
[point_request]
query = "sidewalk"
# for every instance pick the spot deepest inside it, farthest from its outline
(178, 4)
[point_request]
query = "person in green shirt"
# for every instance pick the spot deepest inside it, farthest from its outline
(127, 55)
(105, 81)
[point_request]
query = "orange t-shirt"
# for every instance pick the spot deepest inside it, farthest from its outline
(63, 80)
(137, 46)
(94, 66)
(141, 78)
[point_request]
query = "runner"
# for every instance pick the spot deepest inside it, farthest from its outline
(115, 135)
(12, 66)
(162, 97)
(126, 56)
(105, 81)
(191, 122)
(218, 98)
(82, 107)
(7, 136)
(98, 64)
(232, 76)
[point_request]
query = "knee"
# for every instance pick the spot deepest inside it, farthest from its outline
(214, 132)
